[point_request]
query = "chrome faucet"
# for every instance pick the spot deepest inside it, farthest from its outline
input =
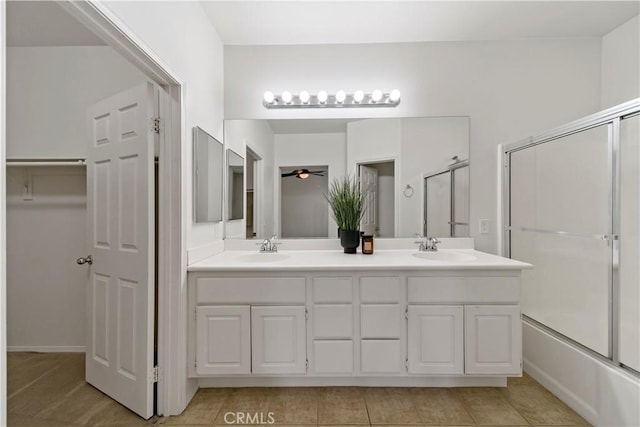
(427, 244)
(269, 245)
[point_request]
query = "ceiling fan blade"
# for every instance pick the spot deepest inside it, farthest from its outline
(284, 175)
(316, 171)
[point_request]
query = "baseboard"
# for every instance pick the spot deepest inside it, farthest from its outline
(47, 349)
(352, 382)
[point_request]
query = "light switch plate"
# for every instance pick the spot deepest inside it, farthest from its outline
(484, 226)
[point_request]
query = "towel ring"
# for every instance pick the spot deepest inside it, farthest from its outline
(408, 191)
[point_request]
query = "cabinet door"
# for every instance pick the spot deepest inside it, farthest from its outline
(493, 339)
(436, 339)
(223, 340)
(278, 340)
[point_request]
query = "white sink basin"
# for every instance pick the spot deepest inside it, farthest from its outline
(263, 257)
(445, 256)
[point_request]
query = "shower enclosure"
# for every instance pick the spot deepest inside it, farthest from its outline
(572, 209)
(446, 202)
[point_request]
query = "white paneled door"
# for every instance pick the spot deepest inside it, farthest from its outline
(120, 207)
(369, 185)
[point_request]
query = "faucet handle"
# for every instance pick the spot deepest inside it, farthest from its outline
(418, 236)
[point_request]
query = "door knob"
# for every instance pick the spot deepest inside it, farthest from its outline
(85, 260)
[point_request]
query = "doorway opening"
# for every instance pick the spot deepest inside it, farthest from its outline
(49, 179)
(377, 180)
(252, 194)
(304, 210)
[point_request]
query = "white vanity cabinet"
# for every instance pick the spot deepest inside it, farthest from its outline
(468, 335)
(278, 340)
(248, 325)
(435, 339)
(356, 327)
(493, 339)
(223, 340)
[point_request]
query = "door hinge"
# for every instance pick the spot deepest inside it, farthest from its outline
(195, 314)
(406, 313)
(155, 125)
(154, 376)
(406, 364)
(306, 365)
(306, 314)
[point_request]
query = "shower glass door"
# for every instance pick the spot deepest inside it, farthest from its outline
(446, 199)
(572, 209)
(560, 220)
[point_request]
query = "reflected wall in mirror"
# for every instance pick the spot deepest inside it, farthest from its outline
(235, 186)
(207, 177)
(385, 154)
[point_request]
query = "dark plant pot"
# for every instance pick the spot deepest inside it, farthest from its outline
(350, 240)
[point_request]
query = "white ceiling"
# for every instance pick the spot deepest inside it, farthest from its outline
(318, 22)
(44, 23)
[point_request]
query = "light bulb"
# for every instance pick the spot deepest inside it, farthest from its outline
(340, 96)
(358, 96)
(268, 97)
(376, 95)
(322, 97)
(286, 97)
(304, 96)
(303, 175)
(394, 96)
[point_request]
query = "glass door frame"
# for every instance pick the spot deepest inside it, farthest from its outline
(611, 118)
(451, 170)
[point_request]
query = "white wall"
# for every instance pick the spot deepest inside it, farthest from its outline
(427, 146)
(294, 150)
(49, 90)
(621, 64)
(420, 146)
(259, 137)
(45, 235)
(509, 89)
(303, 205)
(182, 36)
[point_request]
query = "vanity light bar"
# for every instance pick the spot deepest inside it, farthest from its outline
(340, 99)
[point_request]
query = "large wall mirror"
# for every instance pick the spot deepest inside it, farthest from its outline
(207, 177)
(415, 172)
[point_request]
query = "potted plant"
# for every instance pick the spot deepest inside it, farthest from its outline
(347, 205)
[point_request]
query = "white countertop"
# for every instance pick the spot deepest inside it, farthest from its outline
(385, 259)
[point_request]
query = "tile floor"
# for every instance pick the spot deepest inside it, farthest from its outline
(49, 390)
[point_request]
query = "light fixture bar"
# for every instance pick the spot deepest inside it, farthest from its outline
(375, 99)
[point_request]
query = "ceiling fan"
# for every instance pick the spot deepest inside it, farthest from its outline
(302, 173)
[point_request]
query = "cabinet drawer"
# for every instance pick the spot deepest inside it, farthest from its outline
(379, 289)
(333, 357)
(332, 290)
(380, 356)
(250, 290)
(332, 321)
(464, 290)
(380, 321)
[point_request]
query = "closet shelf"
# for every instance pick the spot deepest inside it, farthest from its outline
(45, 162)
